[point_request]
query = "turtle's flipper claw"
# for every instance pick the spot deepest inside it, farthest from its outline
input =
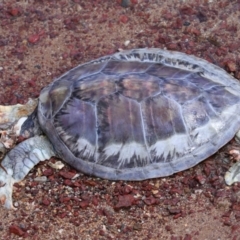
(6, 202)
(3, 199)
(6, 188)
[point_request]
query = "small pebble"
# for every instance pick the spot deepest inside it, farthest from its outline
(33, 38)
(40, 179)
(125, 3)
(126, 43)
(56, 165)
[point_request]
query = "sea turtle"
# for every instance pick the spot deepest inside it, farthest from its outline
(133, 115)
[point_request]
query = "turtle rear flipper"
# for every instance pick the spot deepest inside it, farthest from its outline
(19, 161)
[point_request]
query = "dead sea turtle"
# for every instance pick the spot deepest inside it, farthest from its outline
(133, 115)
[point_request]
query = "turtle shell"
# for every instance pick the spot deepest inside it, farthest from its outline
(140, 114)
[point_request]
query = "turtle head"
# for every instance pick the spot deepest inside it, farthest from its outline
(6, 188)
(28, 126)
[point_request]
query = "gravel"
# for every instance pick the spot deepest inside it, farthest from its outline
(40, 40)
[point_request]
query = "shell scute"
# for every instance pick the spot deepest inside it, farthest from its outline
(200, 81)
(179, 90)
(119, 121)
(53, 97)
(75, 124)
(165, 124)
(94, 87)
(116, 67)
(161, 71)
(220, 98)
(139, 86)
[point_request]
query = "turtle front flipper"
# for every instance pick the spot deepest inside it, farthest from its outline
(19, 161)
(11, 114)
